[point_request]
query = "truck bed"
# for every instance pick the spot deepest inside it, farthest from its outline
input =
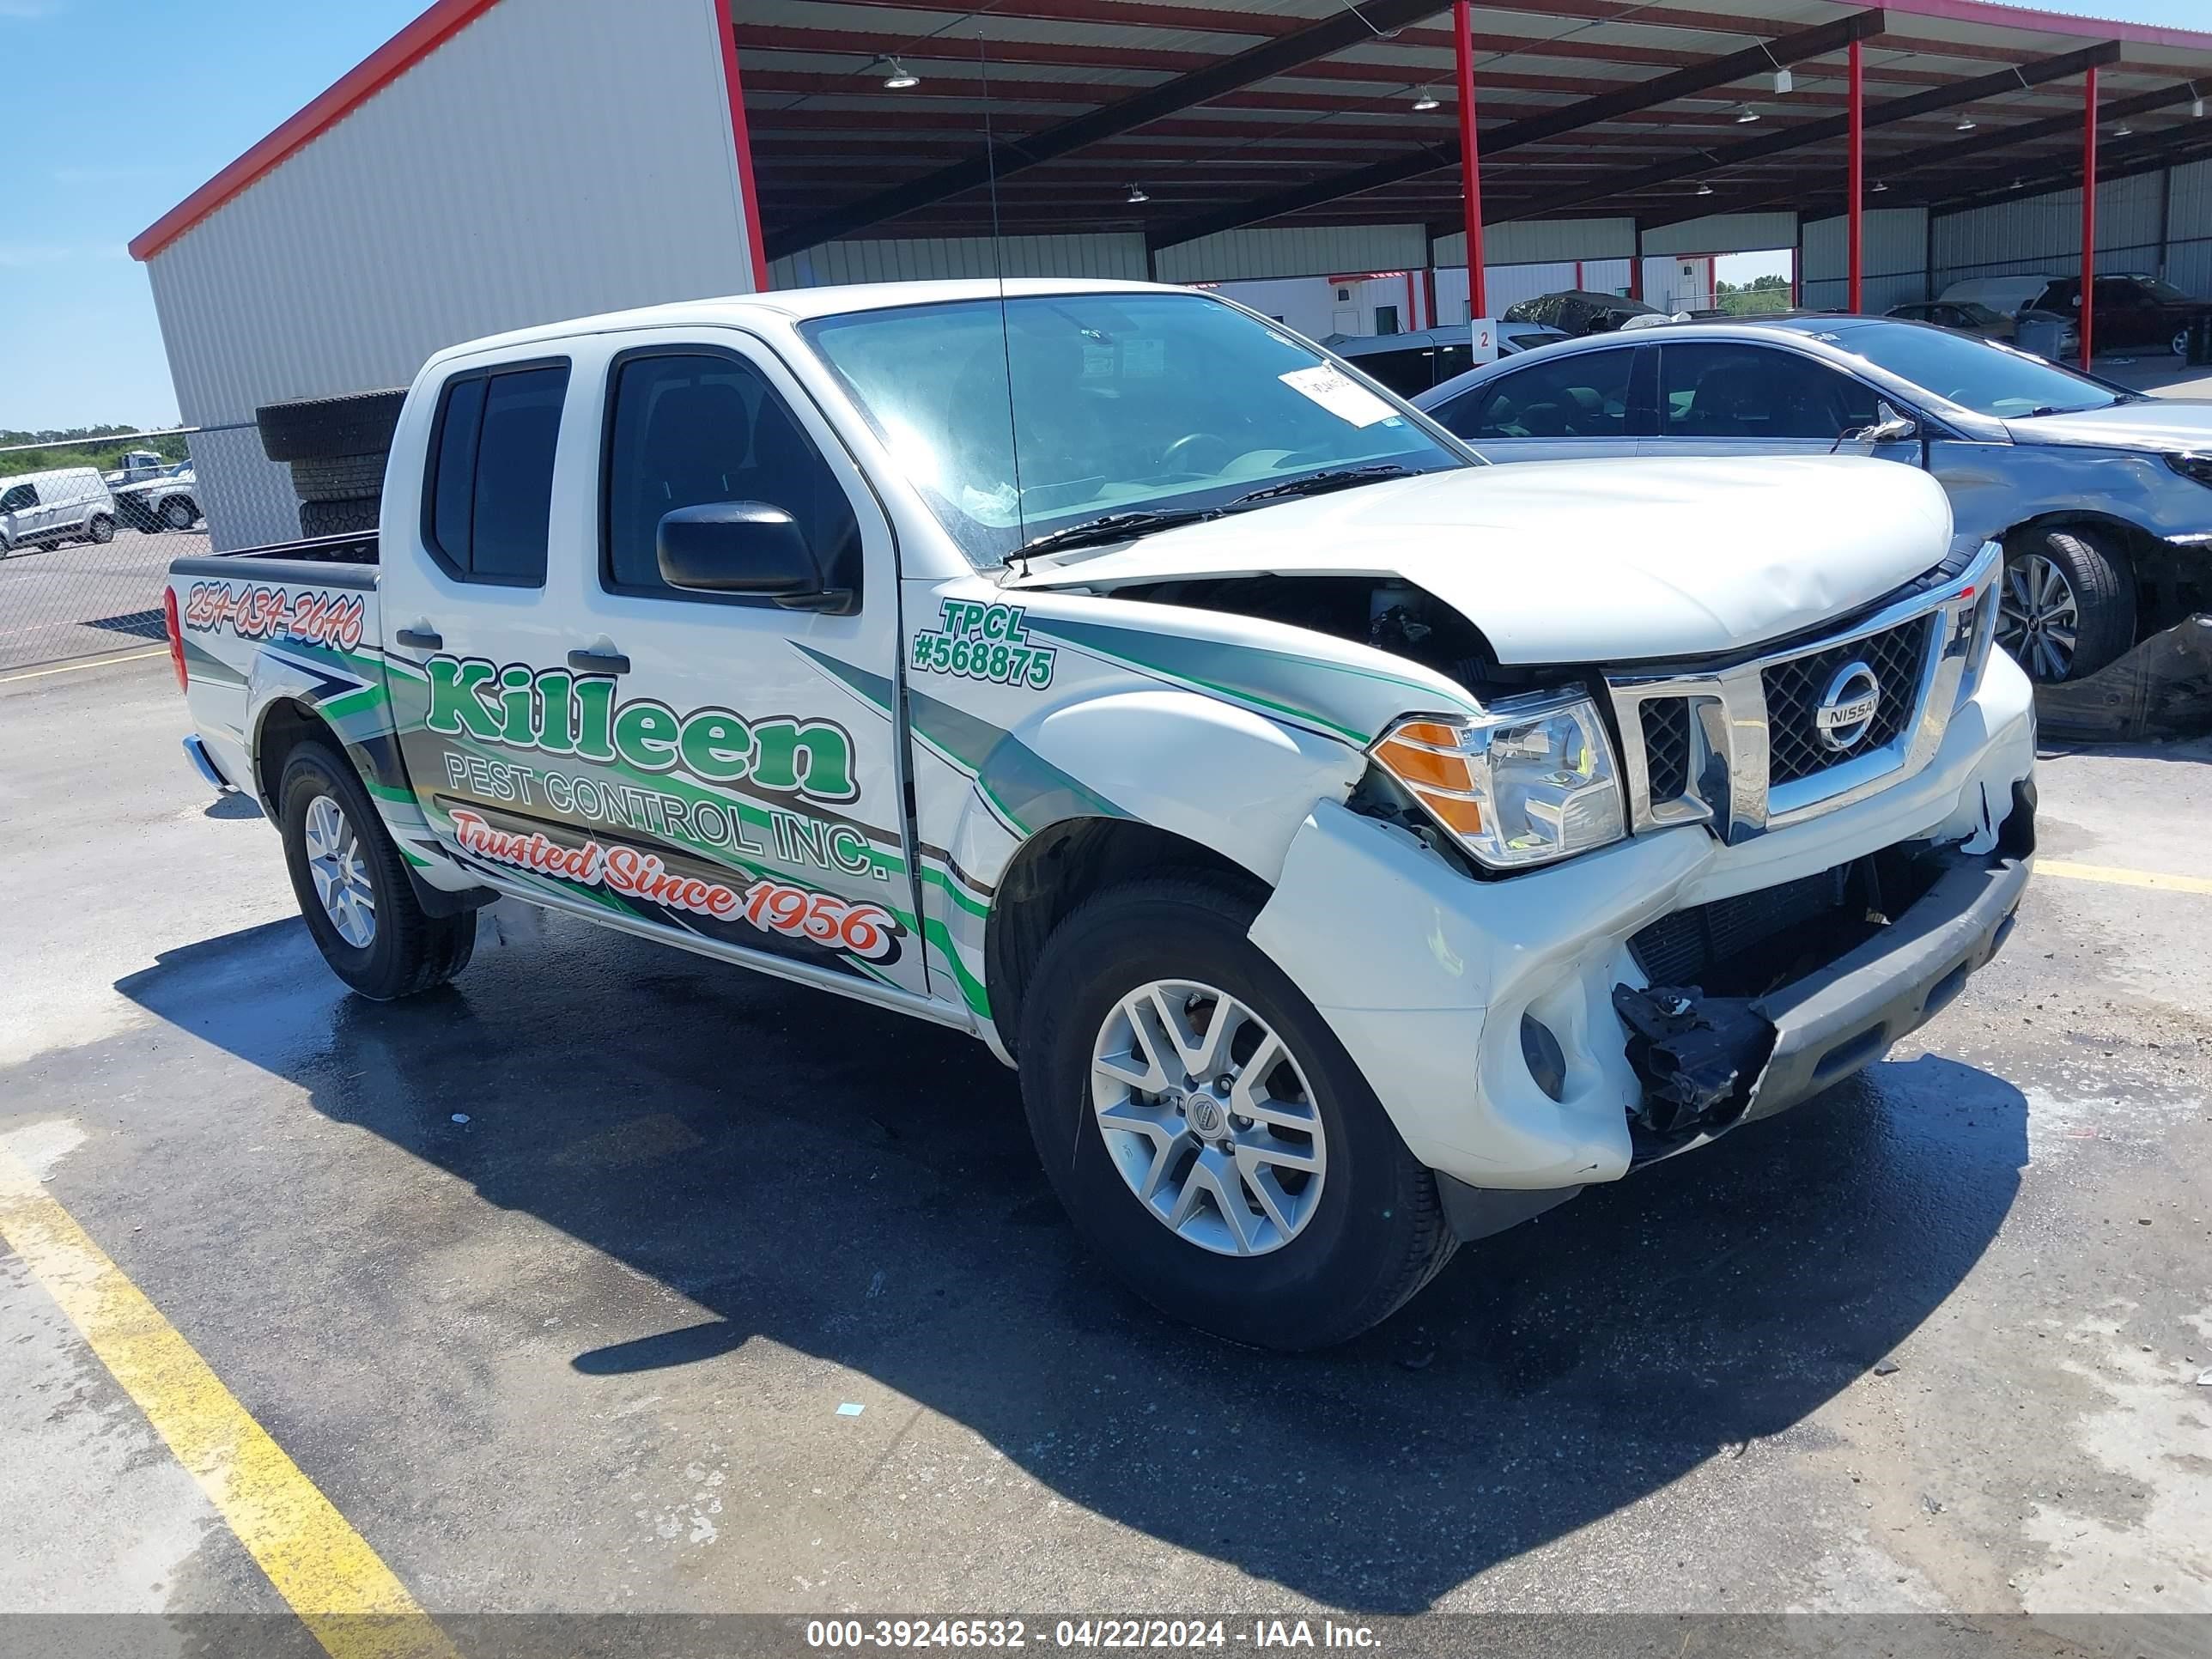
(348, 561)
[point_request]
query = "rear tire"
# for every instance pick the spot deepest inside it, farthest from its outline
(100, 529)
(340, 854)
(2068, 606)
(2179, 343)
(1353, 1252)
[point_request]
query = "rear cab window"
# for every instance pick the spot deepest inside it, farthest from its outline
(488, 500)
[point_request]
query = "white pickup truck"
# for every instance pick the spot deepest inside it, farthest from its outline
(1357, 848)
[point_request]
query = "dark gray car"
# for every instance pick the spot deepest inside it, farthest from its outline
(2101, 496)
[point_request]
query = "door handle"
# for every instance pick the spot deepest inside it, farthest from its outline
(419, 638)
(598, 662)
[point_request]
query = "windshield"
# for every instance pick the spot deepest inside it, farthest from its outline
(1119, 403)
(1974, 373)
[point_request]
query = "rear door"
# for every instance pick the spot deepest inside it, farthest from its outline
(1566, 405)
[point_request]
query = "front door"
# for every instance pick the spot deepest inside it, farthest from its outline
(761, 741)
(1722, 398)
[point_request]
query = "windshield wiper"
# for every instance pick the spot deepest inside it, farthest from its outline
(1320, 483)
(1113, 527)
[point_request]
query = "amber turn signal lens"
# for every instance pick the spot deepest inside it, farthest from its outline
(1462, 818)
(1413, 764)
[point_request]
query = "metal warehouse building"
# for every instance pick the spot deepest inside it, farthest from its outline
(504, 162)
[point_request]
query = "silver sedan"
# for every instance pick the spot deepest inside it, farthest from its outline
(2101, 496)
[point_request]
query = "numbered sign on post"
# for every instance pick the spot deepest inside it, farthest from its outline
(1483, 337)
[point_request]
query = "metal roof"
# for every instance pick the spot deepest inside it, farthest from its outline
(1277, 112)
(1234, 112)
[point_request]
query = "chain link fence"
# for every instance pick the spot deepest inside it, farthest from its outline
(87, 529)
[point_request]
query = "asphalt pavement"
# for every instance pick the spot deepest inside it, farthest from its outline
(610, 1280)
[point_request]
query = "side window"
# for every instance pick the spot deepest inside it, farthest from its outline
(22, 496)
(1752, 392)
(488, 503)
(1404, 372)
(685, 428)
(1584, 394)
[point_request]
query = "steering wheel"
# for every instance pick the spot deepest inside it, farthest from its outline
(1184, 454)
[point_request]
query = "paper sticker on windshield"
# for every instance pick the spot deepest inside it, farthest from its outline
(1344, 398)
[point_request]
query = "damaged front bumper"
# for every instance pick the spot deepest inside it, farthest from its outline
(1434, 981)
(1709, 1063)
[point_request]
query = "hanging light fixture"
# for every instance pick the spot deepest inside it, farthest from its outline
(2123, 130)
(2015, 185)
(1137, 197)
(1746, 116)
(901, 78)
(1427, 101)
(1877, 188)
(1965, 124)
(1785, 83)
(1704, 189)
(2196, 101)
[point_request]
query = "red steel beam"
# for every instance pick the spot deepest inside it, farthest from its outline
(2089, 211)
(1470, 154)
(1857, 167)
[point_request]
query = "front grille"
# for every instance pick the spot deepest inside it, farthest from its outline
(1667, 745)
(1794, 690)
(1688, 947)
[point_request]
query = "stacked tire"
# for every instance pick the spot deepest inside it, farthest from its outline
(336, 448)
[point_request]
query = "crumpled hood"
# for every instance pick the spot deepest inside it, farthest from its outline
(1567, 562)
(2160, 425)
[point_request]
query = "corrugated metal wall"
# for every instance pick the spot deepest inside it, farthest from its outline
(1120, 254)
(2042, 235)
(2189, 229)
(1541, 241)
(1723, 233)
(553, 159)
(1294, 251)
(1893, 256)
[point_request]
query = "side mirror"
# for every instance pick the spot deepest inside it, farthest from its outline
(1891, 428)
(745, 547)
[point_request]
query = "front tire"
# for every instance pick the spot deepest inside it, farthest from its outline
(1207, 1133)
(353, 887)
(180, 513)
(2068, 605)
(2178, 345)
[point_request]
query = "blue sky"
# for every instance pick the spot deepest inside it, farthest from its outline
(118, 109)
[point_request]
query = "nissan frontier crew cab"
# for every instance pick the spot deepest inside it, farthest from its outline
(1356, 848)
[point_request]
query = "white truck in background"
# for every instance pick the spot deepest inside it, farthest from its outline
(1356, 848)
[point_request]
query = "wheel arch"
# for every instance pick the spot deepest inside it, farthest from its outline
(1059, 868)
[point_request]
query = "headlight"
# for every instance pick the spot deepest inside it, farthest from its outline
(1974, 615)
(1532, 780)
(2198, 467)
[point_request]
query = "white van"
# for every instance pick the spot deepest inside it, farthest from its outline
(44, 509)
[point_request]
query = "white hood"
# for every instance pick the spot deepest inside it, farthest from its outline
(1561, 562)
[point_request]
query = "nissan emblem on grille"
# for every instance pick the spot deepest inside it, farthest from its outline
(1847, 707)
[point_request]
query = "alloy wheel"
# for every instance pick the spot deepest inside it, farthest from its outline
(340, 875)
(1208, 1117)
(2039, 618)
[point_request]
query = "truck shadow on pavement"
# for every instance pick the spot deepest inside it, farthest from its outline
(860, 1187)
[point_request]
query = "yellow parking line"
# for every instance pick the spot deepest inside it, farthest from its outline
(2121, 877)
(79, 667)
(349, 1599)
